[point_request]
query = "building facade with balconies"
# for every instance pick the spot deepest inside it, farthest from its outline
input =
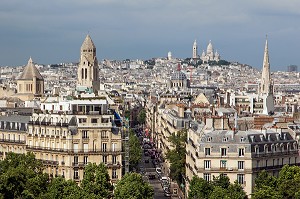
(13, 132)
(66, 136)
(240, 155)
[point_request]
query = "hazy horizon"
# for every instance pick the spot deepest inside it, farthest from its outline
(53, 31)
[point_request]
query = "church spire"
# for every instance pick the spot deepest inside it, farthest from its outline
(266, 84)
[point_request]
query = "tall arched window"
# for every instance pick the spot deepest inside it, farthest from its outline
(82, 73)
(85, 73)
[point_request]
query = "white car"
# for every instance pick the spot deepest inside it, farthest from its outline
(158, 170)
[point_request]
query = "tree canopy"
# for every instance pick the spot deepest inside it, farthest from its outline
(220, 187)
(176, 156)
(21, 176)
(133, 186)
(135, 150)
(96, 181)
(142, 116)
(286, 185)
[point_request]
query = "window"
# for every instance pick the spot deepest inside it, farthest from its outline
(113, 146)
(85, 134)
(104, 159)
(223, 164)
(75, 160)
(208, 139)
(207, 151)
(241, 152)
(82, 120)
(241, 178)
(85, 160)
(242, 139)
(207, 176)
(94, 120)
(114, 159)
(104, 145)
(206, 164)
(241, 165)
(225, 139)
(104, 134)
(114, 173)
(76, 174)
(223, 151)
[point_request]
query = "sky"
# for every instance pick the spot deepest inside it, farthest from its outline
(53, 31)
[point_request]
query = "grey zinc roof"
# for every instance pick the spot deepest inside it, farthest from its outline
(15, 118)
(30, 71)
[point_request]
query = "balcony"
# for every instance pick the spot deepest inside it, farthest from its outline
(77, 151)
(97, 125)
(275, 154)
(224, 170)
(12, 141)
(50, 162)
(80, 164)
(113, 164)
(114, 176)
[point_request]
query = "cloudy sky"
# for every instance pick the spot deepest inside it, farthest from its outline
(53, 31)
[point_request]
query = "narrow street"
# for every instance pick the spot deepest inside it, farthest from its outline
(148, 168)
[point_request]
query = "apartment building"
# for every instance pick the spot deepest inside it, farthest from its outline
(240, 155)
(68, 140)
(13, 133)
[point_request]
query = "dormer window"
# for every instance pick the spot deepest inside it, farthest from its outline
(225, 139)
(242, 139)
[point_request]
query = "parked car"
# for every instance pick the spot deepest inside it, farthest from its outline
(151, 176)
(158, 170)
(167, 192)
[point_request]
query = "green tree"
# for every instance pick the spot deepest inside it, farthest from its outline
(60, 188)
(219, 193)
(236, 191)
(265, 186)
(96, 181)
(220, 187)
(289, 181)
(222, 181)
(132, 186)
(264, 179)
(176, 156)
(135, 150)
(142, 116)
(21, 176)
(199, 188)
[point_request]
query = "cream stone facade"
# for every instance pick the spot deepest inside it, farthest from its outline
(66, 141)
(13, 133)
(30, 83)
(240, 155)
